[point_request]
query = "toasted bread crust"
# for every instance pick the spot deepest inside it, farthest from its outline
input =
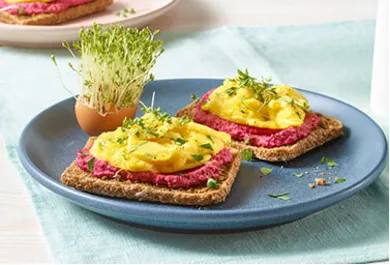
(328, 129)
(52, 19)
(199, 196)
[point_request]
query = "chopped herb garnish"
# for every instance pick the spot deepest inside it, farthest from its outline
(21, 11)
(265, 170)
(180, 141)
(299, 175)
(124, 12)
(120, 140)
(212, 183)
(83, 154)
(247, 140)
(197, 157)
(203, 103)
(247, 154)
(329, 161)
(206, 146)
(194, 97)
(91, 164)
(281, 196)
(136, 147)
(277, 195)
(340, 180)
(210, 138)
(232, 91)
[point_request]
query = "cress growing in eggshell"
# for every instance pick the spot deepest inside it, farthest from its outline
(115, 65)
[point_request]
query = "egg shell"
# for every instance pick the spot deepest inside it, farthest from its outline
(94, 124)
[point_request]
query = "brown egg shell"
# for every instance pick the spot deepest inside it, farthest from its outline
(94, 124)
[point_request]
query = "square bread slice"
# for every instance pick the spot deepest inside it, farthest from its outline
(329, 128)
(56, 18)
(74, 177)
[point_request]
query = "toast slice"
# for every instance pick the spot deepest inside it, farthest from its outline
(74, 177)
(329, 128)
(56, 18)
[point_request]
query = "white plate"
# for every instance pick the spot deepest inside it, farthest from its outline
(46, 36)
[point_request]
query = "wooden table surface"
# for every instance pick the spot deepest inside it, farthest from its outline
(21, 238)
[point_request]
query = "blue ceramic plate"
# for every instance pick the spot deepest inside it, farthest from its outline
(49, 143)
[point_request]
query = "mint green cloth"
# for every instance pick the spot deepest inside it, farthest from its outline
(334, 59)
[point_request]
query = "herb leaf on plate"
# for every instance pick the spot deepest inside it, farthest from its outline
(266, 170)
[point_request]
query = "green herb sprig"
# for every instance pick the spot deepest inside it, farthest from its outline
(262, 90)
(281, 196)
(328, 161)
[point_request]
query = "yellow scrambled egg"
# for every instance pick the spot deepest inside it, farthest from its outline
(281, 108)
(159, 143)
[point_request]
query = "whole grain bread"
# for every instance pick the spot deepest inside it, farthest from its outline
(328, 129)
(74, 177)
(56, 18)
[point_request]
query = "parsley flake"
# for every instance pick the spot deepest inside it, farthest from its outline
(212, 183)
(180, 141)
(194, 98)
(281, 196)
(206, 146)
(247, 140)
(247, 154)
(197, 157)
(83, 154)
(232, 91)
(329, 161)
(21, 11)
(121, 140)
(210, 138)
(137, 146)
(340, 180)
(91, 164)
(266, 170)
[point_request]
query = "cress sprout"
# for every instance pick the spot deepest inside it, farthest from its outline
(115, 65)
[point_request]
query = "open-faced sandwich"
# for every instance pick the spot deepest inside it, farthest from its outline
(157, 158)
(48, 12)
(273, 122)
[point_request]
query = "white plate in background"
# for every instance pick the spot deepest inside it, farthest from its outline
(48, 36)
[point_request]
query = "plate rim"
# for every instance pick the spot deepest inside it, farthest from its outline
(22, 28)
(181, 214)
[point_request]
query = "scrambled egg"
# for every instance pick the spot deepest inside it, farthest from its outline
(284, 108)
(159, 143)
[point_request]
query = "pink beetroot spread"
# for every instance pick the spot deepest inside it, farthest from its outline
(185, 179)
(268, 138)
(34, 8)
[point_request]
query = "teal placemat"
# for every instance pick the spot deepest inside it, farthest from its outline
(334, 59)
